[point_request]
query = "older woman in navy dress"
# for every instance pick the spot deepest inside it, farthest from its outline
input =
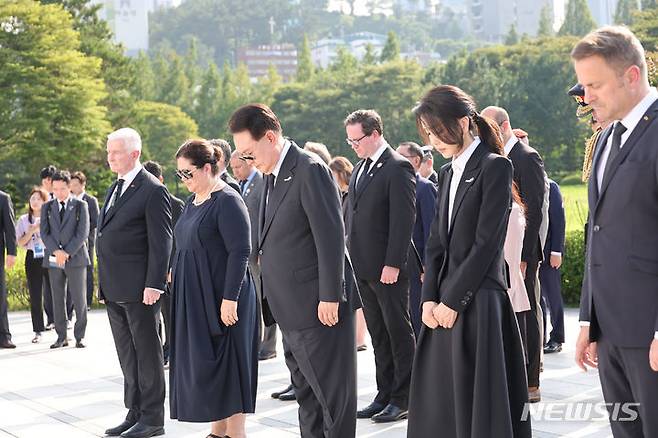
(213, 368)
(468, 378)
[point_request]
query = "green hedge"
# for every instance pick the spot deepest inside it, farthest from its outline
(573, 266)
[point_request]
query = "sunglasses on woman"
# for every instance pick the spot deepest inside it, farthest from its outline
(185, 174)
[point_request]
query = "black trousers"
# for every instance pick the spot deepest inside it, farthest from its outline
(534, 338)
(5, 335)
(322, 364)
(551, 293)
(266, 334)
(36, 275)
(90, 269)
(626, 377)
(135, 331)
(165, 301)
(386, 309)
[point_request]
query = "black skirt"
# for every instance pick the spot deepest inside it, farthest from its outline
(470, 381)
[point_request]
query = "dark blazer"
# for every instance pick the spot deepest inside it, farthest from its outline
(556, 222)
(434, 178)
(529, 177)
(134, 240)
(92, 206)
(228, 179)
(302, 243)
(620, 286)
(425, 203)
(69, 235)
(252, 197)
(177, 206)
(469, 257)
(383, 215)
(7, 230)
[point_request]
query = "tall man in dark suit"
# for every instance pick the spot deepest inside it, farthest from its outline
(177, 206)
(301, 249)
(134, 244)
(382, 199)
(425, 204)
(226, 155)
(251, 189)
(619, 300)
(529, 177)
(549, 272)
(8, 242)
(78, 185)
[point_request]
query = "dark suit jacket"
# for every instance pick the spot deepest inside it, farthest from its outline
(434, 178)
(228, 179)
(92, 206)
(425, 203)
(470, 256)
(383, 215)
(252, 197)
(177, 206)
(620, 287)
(529, 177)
(7, 230)
(134, 240)
(556, 222)
(69, 235)
(302, 243)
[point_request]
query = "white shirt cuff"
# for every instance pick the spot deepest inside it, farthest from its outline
(555, 253)
(584, 323)
(655, 335)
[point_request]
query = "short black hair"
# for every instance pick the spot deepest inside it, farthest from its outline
(48, 171)
(369, 119)
(153, 168)
(62, 175)
(79, 176)
(257, 118)
(414, 149)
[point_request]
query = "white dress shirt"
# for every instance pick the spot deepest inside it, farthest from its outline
(374, 157)
(510, 144)
(458, 166)
(630, 122)
(128, 179)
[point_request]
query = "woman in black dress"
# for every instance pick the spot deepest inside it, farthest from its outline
(213, 366)
(469, 376)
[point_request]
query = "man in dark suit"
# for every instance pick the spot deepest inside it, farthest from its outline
(8, 242)
(619, 301)
(301, 249)
(427, 166)
(134, 244)
(529, 177)
(425, 204)
(64, 231)
(78, 185)
(177, 206)
(382, 199)
(251, 189)
(549, 272)
(226, 156)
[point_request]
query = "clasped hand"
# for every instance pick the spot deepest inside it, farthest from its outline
(438, 315)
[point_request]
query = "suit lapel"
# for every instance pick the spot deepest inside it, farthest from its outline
(70, 206)
(351, 191)
(443, 206)
(471, 172)
(281, 186)
(54, 214)
(132, 188)
(593, 192)
(101, 218)
(370, 175)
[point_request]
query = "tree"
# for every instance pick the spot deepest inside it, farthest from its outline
(210, 95)
(370, 57)
(545, 22)
(175, 85)
(578, 20)
(50, 106)
(268, 85)
(648, 4)
(391, 50)
(512, 36)
(305, 66)
(645, 27)
(144, 86)
(624, 11)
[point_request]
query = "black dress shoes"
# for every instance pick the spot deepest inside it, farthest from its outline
(7, 344)
(370, 410)
(79, 344)
(265, 355)
(552, 347)
(60, 343)
(389, 414)
(121, 428)
(288, 396)
(141, 430)
(278, 393)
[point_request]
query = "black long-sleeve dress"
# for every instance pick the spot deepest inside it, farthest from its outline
(213, 369)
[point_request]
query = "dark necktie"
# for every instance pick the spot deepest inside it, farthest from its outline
(117, 192)
(243, 184)
(62, 210)
(364, 174)
(615, 147)
(269, 185)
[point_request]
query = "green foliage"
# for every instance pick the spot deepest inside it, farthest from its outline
(645, 27)
(624, 11)
(578, 20)
(370, 57)
(573, 267)
(391, 50)
(512, 36)
(305, 68)
(50, 106)
(545, 22)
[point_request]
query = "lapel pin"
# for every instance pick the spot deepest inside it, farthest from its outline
(470, 180)
(288, 179)
(646, 117)
(379, 165)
